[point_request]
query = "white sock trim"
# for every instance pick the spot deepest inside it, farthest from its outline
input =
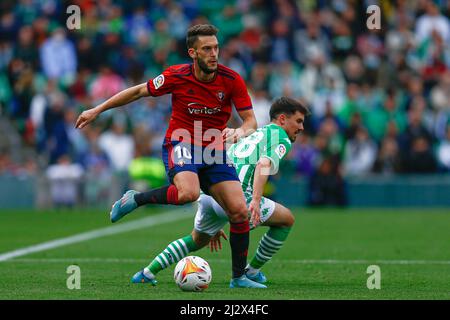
(148, 273)
(251, 271)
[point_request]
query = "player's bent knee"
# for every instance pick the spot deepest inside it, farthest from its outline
(238, 214)
(290, 219)
(187, 196)
(200, 239)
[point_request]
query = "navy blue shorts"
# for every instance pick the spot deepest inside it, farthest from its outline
(212, 166)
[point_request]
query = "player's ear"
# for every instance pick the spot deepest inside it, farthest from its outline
(282, 119)
(191, 52)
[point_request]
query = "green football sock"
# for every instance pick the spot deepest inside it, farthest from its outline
(270, 243)
(174, 252)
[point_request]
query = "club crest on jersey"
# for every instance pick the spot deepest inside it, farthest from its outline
(280, 151)
(181, 163)
(158, 81)
(220, 95)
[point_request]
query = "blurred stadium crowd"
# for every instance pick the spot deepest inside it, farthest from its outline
(380, 99)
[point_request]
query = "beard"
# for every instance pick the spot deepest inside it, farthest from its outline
(204, 67)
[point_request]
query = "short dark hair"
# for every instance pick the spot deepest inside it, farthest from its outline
(287, 106)
(199, 30)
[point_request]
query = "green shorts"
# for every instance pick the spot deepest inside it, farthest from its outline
(210, 216)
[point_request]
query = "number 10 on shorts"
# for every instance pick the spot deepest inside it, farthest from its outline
(181, 155)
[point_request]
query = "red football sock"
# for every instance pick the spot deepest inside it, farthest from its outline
(165, 195)
(239, 242)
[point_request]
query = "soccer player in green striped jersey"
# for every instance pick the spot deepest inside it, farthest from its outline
(255, 157)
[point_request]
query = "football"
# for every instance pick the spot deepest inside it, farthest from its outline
(192, 273)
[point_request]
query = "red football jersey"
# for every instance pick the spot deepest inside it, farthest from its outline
(198, 105)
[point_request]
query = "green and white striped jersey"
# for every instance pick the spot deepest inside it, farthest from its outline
(270, 141)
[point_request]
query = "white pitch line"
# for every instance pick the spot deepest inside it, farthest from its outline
(169, 216)
(331, 261)
(305, 261)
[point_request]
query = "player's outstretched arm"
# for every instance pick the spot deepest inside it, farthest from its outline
(248, 126)
(122, 98)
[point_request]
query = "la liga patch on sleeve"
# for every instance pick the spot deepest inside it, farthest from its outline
(158, 81)
(280, 150)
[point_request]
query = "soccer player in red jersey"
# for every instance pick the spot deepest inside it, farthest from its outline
(193, 150)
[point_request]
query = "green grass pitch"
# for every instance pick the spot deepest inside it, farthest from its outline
(325, 257)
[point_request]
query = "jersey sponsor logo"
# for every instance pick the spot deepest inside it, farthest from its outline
(220, 95)
(197, 108)
(280, 150)
(158, 81)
